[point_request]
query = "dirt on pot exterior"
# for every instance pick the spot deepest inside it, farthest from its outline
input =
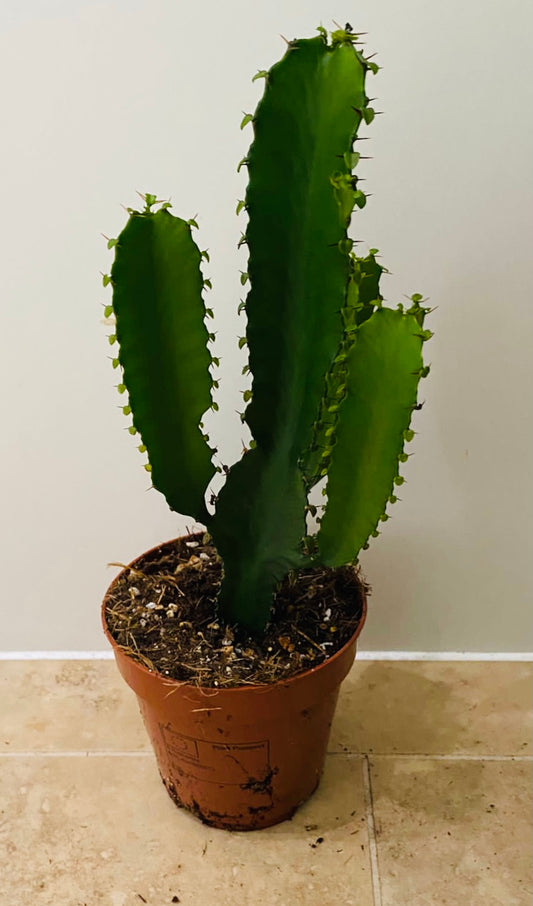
(162, 612)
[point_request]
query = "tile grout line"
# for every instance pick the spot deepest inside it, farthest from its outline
(139, 753)
(371, 830)
(439, 757)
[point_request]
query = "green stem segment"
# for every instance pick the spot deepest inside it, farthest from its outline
(299, 201)
(383, 371)
(157, 300)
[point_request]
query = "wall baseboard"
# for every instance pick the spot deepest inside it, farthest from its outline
(525, 656)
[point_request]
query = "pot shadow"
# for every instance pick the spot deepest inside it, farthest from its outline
(405, 720)
(387, 707)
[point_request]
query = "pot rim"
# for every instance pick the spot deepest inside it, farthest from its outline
(210, 690)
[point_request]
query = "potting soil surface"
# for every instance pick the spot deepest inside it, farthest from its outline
(163, 613)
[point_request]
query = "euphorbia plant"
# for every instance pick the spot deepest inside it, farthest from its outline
(334, 371)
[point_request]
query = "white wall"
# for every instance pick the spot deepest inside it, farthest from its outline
(102, 99)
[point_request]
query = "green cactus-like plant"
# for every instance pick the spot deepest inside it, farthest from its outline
(335, 373)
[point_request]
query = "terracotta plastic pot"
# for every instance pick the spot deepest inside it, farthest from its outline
(242, 758)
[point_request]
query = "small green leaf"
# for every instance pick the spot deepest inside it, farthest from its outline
(242, 306)
(208, 283)
(126, 410)
(112, 339)
(148, 467)
(108, 311)
(115, 363)
(399, 480)
(214, 406)
(106, 279)
(408, 435)
(210, 313)
(368, 115)
(244, 277)
(247, 395)
(242, 342)
(121, 388)
(359, 198)
(112, 243)
(132, 429)
(192, 223)
(403, 457)
(215, 361)
(240, 206)
(351, 159)
(142, 448)
(247, 118)
(205, 254)
(242, 163)
(262, 74)
(246, 370)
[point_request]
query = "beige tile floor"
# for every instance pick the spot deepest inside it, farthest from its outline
(425, 798)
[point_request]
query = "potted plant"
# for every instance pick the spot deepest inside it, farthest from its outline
(236, 639)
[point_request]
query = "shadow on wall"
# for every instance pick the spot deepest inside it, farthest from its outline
(412, 578)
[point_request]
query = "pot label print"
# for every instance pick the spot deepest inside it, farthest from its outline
(218, 762)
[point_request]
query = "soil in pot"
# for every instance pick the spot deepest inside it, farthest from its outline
(162, 612)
